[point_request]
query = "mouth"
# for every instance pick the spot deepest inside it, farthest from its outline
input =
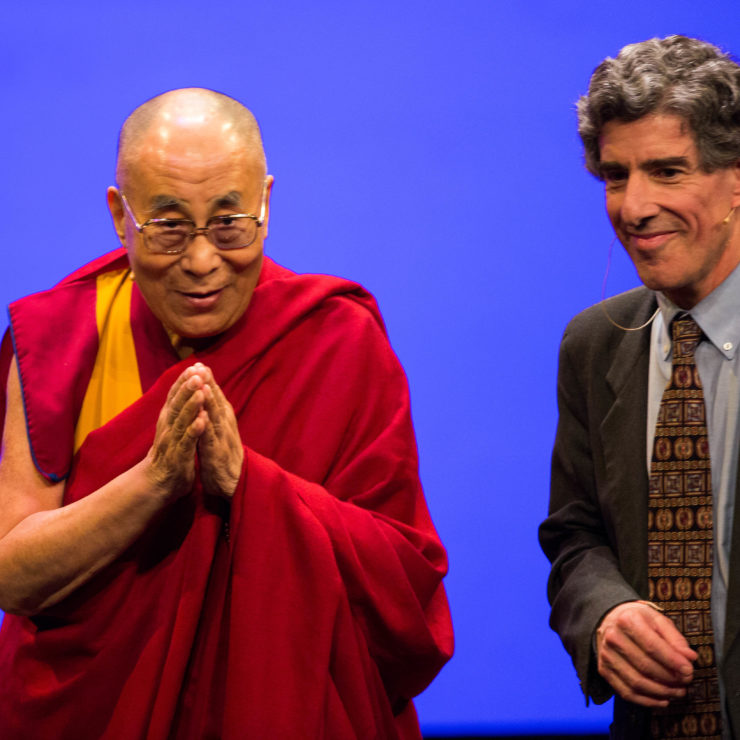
(201, 299)
(648, 241)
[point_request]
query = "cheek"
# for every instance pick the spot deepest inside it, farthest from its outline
(155, 295)
(613, 204)
(243, 267)
(147, 279)
(149, 267)
(153, 280)
(707, 219)
(242, 259)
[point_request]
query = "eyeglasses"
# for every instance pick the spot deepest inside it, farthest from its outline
(173, 235)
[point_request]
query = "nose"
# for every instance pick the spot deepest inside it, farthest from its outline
(200, 258)
(636, 202)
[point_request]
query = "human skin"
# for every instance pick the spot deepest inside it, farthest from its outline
(669, 213)
(642, 655)
(193, 169)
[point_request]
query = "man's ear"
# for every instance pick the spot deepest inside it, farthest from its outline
(736, 188)
(115, 206)
(269, 180)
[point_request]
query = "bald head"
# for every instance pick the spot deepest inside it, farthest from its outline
(192, 112)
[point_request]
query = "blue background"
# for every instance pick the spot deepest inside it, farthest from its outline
(426, 149)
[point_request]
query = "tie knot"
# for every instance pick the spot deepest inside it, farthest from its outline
(686, 335)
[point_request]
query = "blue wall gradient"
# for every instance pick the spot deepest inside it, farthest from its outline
(426, 149)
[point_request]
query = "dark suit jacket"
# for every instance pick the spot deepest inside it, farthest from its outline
(596, 532)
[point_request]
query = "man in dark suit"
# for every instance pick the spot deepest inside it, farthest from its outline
(661, 128)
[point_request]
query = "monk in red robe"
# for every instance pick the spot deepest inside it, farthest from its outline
(211, 523)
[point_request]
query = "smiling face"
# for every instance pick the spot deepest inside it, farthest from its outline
(670, 214)
(193, 168)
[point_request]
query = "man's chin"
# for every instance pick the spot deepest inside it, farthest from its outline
(678, 292)
(656, 279)
(201, 329)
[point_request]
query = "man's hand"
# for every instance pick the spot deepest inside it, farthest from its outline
(642, 655)
(182, 421)
(220, 446)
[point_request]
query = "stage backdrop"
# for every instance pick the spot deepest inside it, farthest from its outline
(426, 149)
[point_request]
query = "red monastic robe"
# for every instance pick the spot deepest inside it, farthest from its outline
(321, 614)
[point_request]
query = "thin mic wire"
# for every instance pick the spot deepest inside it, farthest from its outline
(603, 298)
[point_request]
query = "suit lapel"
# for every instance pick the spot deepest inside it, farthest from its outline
(623, 433)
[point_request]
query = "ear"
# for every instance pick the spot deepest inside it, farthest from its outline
(269, 180)
(115, 206)
(736, 184)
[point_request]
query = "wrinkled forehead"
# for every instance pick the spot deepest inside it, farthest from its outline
(660, 129)
(204, 143)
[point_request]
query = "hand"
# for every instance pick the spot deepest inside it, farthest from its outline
(642, 655)
(220, 446)
(182, 420)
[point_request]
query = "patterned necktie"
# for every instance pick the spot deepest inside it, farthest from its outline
(680, 537)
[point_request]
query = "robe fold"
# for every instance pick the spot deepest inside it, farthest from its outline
(309, 606)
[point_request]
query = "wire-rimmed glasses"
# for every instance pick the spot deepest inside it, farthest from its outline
(173, 235)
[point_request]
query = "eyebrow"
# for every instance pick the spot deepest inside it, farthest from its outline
(159, 203)
(649, 164)
(652, 164)
(164, 202)
(232, 199)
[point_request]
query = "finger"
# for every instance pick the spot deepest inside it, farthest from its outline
(175, 387)
(174, 408)
(651, 631)
(215, 398)
(220, 412)
(181, 423)
(634, 666)
(218, 395)
(202, 371)
(667, 646)
(635, 679)
(634, 633)
(182, 445)
(632, 686)
(669, 632)
(197, 427)
(182, 402)
(622, 654)
(208, 438)
(197, 369)
(213, 407)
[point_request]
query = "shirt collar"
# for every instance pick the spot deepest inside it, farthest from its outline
(717, 315)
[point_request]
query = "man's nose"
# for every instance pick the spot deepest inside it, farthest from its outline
(638, 201)
(200, 257)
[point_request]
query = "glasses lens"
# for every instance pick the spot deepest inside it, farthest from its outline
(225, 232)
(168, 236)
(232, 233)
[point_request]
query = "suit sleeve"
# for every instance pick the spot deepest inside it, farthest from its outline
(585, 580)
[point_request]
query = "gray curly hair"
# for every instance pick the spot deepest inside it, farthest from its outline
(677, 75)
